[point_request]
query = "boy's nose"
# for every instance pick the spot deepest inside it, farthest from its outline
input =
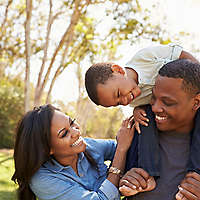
(124, 100)
(136, 92)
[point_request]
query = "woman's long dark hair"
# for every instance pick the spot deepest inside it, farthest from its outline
(32, 148)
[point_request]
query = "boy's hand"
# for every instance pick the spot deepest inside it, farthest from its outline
(140, 117)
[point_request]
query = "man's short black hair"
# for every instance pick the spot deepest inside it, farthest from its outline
(97, 73)
(186, 70)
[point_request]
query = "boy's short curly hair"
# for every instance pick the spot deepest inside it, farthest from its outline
(186, 70)
(96, 74)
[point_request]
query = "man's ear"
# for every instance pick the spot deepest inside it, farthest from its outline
(196, 105)
(118, 69)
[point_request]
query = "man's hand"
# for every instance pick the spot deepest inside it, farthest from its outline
(136, 180)
(189, 188)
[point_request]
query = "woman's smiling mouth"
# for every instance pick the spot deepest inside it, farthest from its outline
(78, 142)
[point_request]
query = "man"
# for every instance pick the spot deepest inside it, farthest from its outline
(173, 161)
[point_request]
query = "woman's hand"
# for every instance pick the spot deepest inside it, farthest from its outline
(139, 115)
(125, 134)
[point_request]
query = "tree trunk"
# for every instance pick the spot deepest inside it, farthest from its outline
(46, 45)
(28, 54)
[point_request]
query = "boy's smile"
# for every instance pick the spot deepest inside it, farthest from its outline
(117, 90)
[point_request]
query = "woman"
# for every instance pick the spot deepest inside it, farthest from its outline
(53, 161)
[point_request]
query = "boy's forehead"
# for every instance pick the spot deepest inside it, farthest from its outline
(105, 94)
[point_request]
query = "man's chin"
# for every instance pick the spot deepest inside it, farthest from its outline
(162, 127)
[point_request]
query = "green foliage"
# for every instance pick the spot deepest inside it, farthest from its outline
(7, 187)
(11, 31)
(105, 123)
(96, 122)
(11, 104)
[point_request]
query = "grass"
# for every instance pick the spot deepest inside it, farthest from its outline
(7, 187)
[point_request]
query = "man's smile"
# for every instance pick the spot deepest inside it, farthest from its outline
(160, 119)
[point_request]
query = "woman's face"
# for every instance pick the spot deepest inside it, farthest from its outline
(66, 140)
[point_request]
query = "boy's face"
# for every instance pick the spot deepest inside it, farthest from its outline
(117, 90)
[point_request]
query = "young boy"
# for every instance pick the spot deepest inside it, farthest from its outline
(108, 84)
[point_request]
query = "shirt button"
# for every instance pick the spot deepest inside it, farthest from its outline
(81, 175)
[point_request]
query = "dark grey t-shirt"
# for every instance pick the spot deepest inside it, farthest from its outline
(174, 153)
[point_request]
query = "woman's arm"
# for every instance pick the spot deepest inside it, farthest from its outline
(124, 139)
(51, 187)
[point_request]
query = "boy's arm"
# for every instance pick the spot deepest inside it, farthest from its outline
(187, 55)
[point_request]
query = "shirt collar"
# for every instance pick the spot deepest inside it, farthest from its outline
(56, 166)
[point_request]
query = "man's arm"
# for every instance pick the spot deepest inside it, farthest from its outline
(136, 180)
(186, 55)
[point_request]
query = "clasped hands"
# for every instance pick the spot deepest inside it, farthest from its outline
(138, 180)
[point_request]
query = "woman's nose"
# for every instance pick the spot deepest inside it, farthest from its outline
(75, 132)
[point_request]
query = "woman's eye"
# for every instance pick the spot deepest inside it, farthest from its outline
(64, 134)
(66, 131)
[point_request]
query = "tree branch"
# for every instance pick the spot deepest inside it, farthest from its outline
(67, 37)
(6, 15)
(49, 24)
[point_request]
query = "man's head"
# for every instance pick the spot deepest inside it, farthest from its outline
(107, 84)
(176, 96)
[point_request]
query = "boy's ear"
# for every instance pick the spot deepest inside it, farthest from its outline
(118, 69)
(196, 102)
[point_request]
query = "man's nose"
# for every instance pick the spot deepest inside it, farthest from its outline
(157, 107)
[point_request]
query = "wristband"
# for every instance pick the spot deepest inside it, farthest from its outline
(116, 171)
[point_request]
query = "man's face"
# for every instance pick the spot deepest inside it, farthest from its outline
(117, 90)
(173, 107)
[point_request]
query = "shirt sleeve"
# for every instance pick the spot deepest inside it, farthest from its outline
(57, 189)
(147, 62)
(105, 148)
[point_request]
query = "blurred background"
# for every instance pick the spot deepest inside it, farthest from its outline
(47, 45)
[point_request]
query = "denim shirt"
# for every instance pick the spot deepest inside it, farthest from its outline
(54, 181)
